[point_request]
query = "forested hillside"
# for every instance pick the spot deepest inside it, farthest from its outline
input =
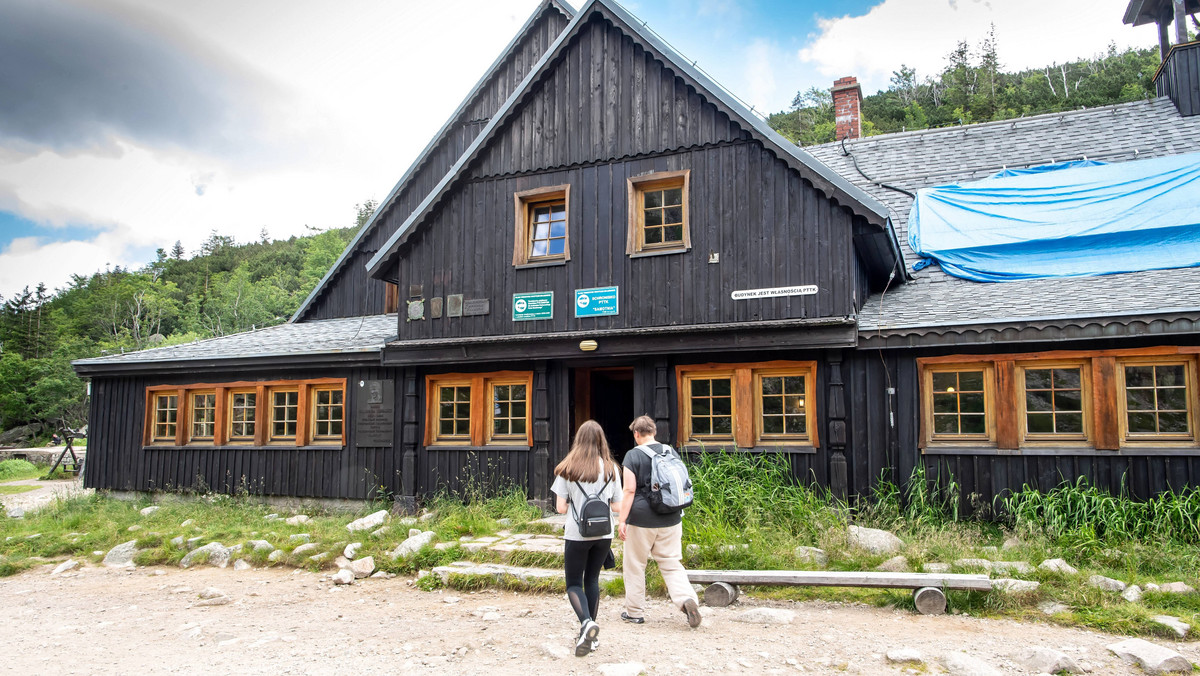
(226, 287)
(972, 87)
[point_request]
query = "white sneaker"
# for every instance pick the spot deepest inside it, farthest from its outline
(587, 635)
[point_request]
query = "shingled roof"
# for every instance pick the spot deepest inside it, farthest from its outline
(935, 307)
(350, 338)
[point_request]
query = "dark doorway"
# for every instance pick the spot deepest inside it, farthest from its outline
(606, 396)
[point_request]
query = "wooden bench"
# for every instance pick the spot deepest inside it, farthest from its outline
(928, 588)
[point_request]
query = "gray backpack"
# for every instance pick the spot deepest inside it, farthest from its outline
(670, 488)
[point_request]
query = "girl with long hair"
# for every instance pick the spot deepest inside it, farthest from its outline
(588, 470)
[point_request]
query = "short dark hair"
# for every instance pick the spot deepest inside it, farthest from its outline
(643, 425)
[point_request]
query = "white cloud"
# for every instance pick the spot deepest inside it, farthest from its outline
(919, 33)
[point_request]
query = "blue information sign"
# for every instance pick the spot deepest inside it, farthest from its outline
(599, 302)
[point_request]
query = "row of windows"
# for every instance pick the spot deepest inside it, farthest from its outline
(748, 405)
(477, 409)
(1081, 401)
(658, 219)
(295, 413)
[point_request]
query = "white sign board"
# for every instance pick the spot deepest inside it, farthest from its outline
(746, 294)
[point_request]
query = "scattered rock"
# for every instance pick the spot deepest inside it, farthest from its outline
(177, 542)
(896, 564)
(428, 516)
(1010, 567)
(192, 543)
(380, 532)
(362, 567)
(1151, 587)
(936, 567)
(122, 555)
(276, 555)
(1106, 583)
(213, 553)
(319, 558)
(261, 546)
(414, 543)
(1176, 625)
(300, 537)
(874, 540)
(219, 601)
(187, 523)
(973, 563)
(63, 567)
(211, 593)
(351, 550)
(692, 549)
(962, 664)
(1176, 588)
(1058, 566)
(241, 564)
(131, 529)
(304, 548)
(368, 522)
(413, 532)
(904, 656)
(149, 510)
(1011, 543)
(297, 520)
(343, 576)
(271, 517)
(990, 550)
(1048, 661)
(621, 669)
(1011, 586)
(555, 651)
(1132, 593)
(1154, 658)
(765, 616)
(813, 555)
(1053, 607)
(16, 513)
(505, 521)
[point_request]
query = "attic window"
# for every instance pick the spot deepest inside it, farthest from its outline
(541, 225)
(658, 213)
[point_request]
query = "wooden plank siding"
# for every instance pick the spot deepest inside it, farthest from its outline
(119, 461)
(351, 292)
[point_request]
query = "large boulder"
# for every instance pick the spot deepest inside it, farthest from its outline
(213, 553)
(412, 545)
(122, 555)
(20, 436)
(368, 522)
(874, 540)
(1153, 658)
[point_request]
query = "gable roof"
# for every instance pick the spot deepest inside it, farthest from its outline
(825, 180)
(448, 127)
(946, 309)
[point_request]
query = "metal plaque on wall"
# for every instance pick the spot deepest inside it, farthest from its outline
(454, 305)
(435, 307)
(473, 307)
(375, 414)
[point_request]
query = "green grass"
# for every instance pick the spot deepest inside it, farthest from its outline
(11, 490)
(16, 470)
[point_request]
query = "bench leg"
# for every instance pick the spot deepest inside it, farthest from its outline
(929, 601)
(720, 594)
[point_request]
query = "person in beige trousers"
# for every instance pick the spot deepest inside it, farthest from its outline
(649, 534)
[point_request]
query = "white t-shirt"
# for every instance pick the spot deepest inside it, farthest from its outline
(576, 497)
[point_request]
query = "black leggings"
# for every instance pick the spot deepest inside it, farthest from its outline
(583, 560)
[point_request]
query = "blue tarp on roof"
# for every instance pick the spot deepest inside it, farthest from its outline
(1071, 219)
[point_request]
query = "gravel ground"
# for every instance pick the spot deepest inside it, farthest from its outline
(150, 620)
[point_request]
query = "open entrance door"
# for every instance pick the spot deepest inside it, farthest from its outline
(606, 396)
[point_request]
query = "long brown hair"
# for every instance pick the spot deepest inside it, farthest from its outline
(590, 446)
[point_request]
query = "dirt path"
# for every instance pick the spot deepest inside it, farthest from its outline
(98, 620)
(46, 492)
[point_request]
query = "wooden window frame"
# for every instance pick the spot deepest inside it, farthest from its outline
(1105, 409)
(262, 419)
(153, 417)
(988, 437)
(192, 437)
(482, 404)
(745, 382)
(1055, 438)
(1134, 439)
(282, 439)
(524, 203)
(230, 438)
(638, 185)
(314, 399)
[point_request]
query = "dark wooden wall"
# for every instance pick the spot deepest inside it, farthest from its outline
(350, 292)
(118, 461)
(1179, 78)
(874, 445)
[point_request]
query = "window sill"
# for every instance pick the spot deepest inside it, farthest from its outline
(658, 252)
(491, 447)
(693, 447)
(541, 264)
(246, 447)
(1060, 451)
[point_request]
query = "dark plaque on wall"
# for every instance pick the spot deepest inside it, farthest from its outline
(375, 414)
(435, 307)
(476, 306)
(454, 305)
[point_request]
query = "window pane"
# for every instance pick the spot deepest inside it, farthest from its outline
(973, 424)
(1174, 422)
(446, 410)
(722, 425)
(446, 394)
(945, 382)
(945, 403)
(673, 215)
(794, 384)
(945, 424)
(1172, 399)
(673, 196)
(701, 425)
(971, 403)
(653, 198)
(721, 387)
(446, 426)
(673, 233)
(654, 235)
(1038, 401)
(1040, 423)
(654, 217)
(772, 405)
(1037, 379)
(499, 426)
(1139, 400)
(970, 381)
(722, 406)
(1139, 376)
(700, 388)
(559, 210)
(1068, 423)
(772, 424)
(558, 229)
(1142, 422)
(1167, 376)
(1067, 379)
(518, 409)
(557, 246)
(462, 410)
(700, 407)
(518, 426)
(795, 424)
(794, 404)
(1068, 401)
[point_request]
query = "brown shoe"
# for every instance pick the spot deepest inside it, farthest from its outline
(693, 613)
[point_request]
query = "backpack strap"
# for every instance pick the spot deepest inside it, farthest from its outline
(586, 496)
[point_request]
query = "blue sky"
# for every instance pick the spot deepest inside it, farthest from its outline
(126, 125)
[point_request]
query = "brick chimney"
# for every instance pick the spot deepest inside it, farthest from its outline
(847, 94)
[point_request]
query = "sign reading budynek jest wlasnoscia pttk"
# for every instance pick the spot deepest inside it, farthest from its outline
(747, 294)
